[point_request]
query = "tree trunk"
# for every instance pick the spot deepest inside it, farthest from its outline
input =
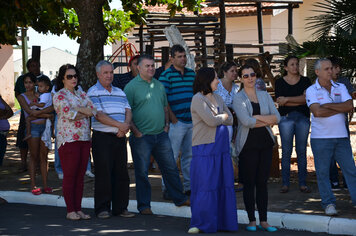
(92, 40)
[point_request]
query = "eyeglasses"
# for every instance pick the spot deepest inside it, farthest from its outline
(245, 76)
(72, 76)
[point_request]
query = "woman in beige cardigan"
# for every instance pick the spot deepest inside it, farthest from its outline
(213, 200)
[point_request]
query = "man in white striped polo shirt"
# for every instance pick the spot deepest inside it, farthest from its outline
(111, 195)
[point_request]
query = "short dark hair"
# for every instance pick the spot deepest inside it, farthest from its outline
(144, 57)
(31, 60)
(31, 76)
(255, 65)
(62, 71)
(203, 79)
(176, 48)
(244, 67)
(46, 81)
(335, 61)
(225, 67)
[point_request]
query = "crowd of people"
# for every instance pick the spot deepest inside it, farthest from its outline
(211, 123)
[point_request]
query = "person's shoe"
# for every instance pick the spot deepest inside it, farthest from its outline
(330, 210)
(127, 214)
(268, 229)
(60, 176)
(186, 203)
(72, 216)
(305, 189)
(36, 191)
(166, 196)
(48, 190)
(335, 187)
(251, 228)
(104, 215)
(188, 193)
(89, 174)
(193, 230)
(284, 189)
(146, 211)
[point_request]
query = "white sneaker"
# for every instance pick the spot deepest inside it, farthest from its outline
(89, 174)
(330, 210)
(193, 230)
(60, 176)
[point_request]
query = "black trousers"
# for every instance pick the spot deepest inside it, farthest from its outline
(255, 165)
(112, 181)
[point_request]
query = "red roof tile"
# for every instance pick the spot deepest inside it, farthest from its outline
(212, 11)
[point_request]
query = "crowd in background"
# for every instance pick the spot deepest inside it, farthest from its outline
(202, 118)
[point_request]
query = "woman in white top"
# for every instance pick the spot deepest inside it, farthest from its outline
(227, 89)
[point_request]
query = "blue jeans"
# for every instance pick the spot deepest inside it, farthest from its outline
(294, 124)
(180, 135)
(57, 163)
(160, 147)
(324, 150)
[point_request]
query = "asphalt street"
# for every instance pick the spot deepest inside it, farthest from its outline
(24, 219)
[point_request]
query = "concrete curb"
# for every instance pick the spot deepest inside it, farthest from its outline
(313, 223)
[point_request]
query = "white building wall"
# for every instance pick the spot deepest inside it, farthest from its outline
(7, 74)
(51, 60)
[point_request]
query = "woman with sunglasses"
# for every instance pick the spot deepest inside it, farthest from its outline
(73, 108)
(255, 112)
(295, 121)
(213, 200)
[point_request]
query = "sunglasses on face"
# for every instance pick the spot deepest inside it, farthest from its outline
(252, 75)
(72, 76)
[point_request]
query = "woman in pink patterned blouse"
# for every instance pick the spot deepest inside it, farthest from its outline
(73, 137)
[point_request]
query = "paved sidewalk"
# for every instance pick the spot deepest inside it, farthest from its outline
(293, 210)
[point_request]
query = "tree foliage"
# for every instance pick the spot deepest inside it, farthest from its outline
(56, 17)
(335, 32)
(91, 22)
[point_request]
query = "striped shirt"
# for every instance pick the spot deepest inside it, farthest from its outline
(111, 103)
(179, 90)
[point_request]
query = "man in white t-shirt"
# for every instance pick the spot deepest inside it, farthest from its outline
(328, 101)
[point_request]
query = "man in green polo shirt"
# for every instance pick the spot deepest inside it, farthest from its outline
(150, 125)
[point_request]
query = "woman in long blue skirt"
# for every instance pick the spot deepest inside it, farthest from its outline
(213, 200)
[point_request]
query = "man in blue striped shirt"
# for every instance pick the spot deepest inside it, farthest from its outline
(113, 119)
(178, 82)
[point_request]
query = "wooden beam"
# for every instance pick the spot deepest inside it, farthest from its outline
(222, 31)
(140, 33)
(290, 19)
(259, 24)
(165, 55)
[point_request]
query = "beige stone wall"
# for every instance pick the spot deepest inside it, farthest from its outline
(7, 74)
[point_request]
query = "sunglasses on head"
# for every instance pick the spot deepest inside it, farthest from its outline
(72, 76)
(245, 76)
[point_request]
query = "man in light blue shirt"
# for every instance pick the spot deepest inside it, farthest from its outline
(111, 194)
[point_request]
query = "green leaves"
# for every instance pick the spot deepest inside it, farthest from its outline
(117, 23)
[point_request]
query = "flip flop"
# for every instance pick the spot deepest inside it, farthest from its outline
(36, 191)
(48, 190)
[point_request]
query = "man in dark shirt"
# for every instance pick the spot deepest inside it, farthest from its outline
(121, 80)
(336, 76)
(33, 66)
